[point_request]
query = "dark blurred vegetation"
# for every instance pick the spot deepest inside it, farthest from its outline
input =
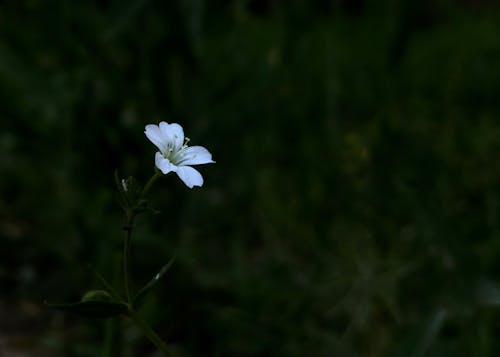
(354, 207)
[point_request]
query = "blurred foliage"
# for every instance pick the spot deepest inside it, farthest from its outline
(354, 207)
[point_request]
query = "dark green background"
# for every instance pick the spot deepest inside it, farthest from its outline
(354, 206)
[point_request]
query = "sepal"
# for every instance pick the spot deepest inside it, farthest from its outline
(130, 196)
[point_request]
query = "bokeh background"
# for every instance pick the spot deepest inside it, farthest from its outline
(354, 207)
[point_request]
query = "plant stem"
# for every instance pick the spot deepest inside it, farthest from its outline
(128, 237)
(126, 255)
(150, 334)
(112, 339)
(150, 183)
(143, 325)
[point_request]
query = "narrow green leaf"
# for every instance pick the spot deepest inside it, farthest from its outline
(93, 308)
(155, 279)
(144, 207)
(105, 283)
(97, 295)
(431, 332)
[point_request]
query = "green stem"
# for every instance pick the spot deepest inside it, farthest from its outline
(112, 344)
(150, 183)
(128, 237)
(126, 255)
(150, 334)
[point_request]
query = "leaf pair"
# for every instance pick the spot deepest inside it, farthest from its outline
(108, 303)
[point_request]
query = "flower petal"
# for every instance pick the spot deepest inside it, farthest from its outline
(173, 133)
(196, 155)
(190, 176)
(163, 164)
(155, 135)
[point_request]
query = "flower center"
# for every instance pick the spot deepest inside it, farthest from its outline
(175, 154)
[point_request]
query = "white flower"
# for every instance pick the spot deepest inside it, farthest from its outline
(175, 155)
